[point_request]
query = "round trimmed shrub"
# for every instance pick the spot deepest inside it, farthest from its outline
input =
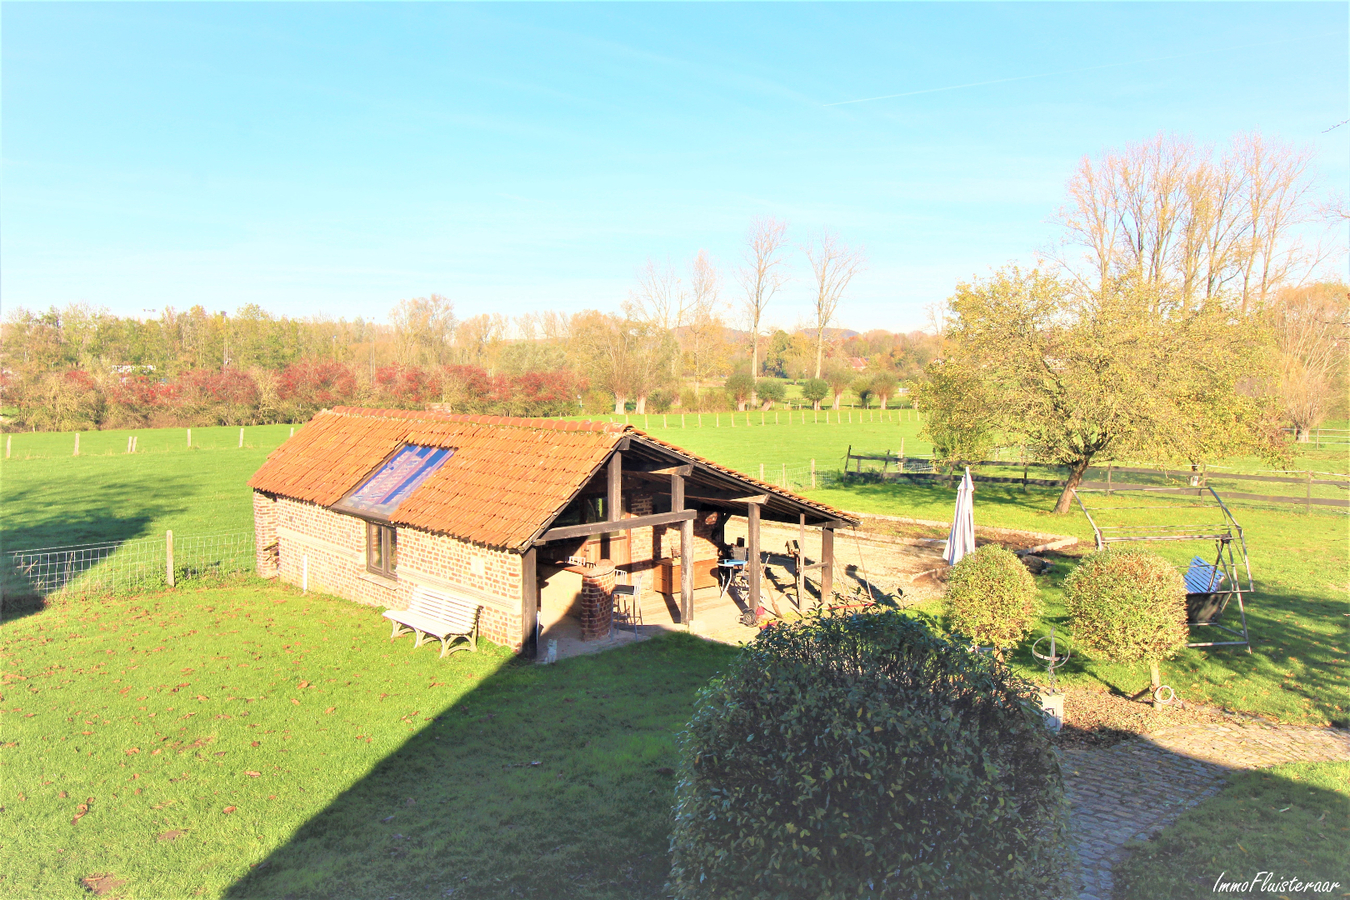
(866, 754)
(1127, 605)
(991, 597)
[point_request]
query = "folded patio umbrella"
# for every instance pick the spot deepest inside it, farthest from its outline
(962, 538)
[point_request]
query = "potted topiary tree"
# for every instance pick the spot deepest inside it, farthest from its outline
(863, 754)
(1128, 606)
(991, 598)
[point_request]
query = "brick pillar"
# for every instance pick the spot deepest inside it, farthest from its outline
(265, 534)
(597, 600)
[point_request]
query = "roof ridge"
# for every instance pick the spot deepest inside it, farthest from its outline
(540, 423)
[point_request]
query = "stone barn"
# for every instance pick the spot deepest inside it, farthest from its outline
(527, 521)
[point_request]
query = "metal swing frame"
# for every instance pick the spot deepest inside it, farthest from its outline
(1229, 547)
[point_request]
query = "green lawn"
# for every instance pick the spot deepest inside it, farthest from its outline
(253, 742)
(1292, 821)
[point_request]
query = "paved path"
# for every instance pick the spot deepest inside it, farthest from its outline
(1136, 788)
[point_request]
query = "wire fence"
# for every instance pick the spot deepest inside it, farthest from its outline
(123, 567)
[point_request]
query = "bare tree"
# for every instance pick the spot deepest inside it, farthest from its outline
(761, 277)
(424, 328)
(834, 265)
(1168, 215)
(703, 337)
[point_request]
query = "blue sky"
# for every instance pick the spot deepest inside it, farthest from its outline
(332, 159)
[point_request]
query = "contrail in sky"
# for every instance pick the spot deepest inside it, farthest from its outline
(1133, 62)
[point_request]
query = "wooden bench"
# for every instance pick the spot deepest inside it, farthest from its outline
(440, 616)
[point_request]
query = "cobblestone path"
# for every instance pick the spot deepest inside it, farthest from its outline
(1134, 789)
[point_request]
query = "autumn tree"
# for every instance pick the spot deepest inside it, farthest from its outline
(761, 277)
(884, 385)
(1080, 375)
(1311, 329)
(834, 265)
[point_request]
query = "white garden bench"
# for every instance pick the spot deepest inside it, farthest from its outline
(433, 614)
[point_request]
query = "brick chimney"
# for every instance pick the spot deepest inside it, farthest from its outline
(597, 600)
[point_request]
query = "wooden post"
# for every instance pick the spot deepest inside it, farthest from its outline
(826, 563)
(775, 416)
(1109, 467)
(686, 553)
(135, 442)
(664, 422)
(189, 438)
(1307, 505)
(902, 454)
(753, 556)
(8, 439)
(813, 474)
(801, 561)
(614, 501)
(241, 439)
(681, 420)
(529, 600)
(761, 471)
(717, 423)
(784, 482)
(168, 557)
(77, 443)
(292, 431)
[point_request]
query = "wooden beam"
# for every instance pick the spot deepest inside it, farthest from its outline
(683, 471)
(576, 531)
(614, 500)
(801, 562)
(686, 552)
(826, 563)
(529, 595)
(753, 557)
(754, 498)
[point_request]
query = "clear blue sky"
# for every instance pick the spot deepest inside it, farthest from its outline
(332, 159)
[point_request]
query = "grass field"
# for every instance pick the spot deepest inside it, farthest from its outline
(254, 742)
(380, 772)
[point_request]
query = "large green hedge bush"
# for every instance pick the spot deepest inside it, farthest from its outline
(866, 755)
(991, 597)
(1127, 605)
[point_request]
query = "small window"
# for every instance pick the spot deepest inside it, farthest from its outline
(381, 549)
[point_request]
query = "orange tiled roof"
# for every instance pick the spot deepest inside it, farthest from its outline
(506, 479)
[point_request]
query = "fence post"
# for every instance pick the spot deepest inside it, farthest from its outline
(241, 439)
(292, 431)
(813, 474)
(189, 438)
(785, 484)
(717, 423)
(168, 557)
(902, 454)
(8, 438)
(135, 442)
(761, 471)
(1109, 467)
(664, 423)
(77, 443)
(1307, 504)
(681, 420)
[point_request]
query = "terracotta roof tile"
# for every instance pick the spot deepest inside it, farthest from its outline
(506, 479)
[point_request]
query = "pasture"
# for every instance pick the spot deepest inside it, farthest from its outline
(249, 741)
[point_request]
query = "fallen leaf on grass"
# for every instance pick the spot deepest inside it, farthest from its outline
(256, 744)
(98, 885)
(302, 685)
(132, 750)
(330, 709)
(295, 701)
(253, 774)
(82, 810)
(228, 810)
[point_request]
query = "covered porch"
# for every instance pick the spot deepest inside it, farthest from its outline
(653, 520)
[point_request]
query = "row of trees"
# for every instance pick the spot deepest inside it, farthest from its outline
(75, 399)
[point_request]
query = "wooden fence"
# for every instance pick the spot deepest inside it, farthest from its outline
(1110, 478)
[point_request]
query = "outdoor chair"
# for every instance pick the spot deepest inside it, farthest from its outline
(627, 601)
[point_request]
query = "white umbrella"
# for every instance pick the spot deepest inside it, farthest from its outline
(962, 539)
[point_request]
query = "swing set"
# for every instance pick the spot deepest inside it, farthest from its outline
(1210, 586)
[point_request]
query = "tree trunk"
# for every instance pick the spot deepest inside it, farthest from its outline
(815, 405)
(740, 406)
(837, 397)
(754, 361)
(641, 405)
(1154, 683)
(1301, 433)
(620, 404)
(1075, 479)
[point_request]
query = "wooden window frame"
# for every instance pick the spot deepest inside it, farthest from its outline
(388, 543)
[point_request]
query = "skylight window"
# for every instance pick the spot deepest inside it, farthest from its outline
(381, 493)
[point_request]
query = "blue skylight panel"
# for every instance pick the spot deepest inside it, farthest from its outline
(381, 493)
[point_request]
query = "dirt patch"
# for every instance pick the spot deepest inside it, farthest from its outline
(101, 885)
(1099, 718)
(922, 531)
(171, 835)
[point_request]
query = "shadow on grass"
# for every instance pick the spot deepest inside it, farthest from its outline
(545, 781)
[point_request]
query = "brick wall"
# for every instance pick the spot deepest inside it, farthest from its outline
(331, 547)
(265, 533)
